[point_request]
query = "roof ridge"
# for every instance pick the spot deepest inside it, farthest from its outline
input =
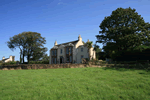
(67, 42)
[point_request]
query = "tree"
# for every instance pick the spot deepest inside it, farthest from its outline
(45, 57)
(98, 50)
(38, 54)
(123, 30)
(35, 45)
(88, 44)
(18, 41)
(29, 43)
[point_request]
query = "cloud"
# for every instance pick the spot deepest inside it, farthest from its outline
(61, 3)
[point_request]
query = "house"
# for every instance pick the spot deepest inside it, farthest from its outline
(70, 52)
(11, 58)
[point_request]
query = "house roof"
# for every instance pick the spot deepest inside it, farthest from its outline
(5, 59)
(73, 42)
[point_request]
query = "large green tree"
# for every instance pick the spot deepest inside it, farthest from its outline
(98, 50)
(18, 41)
(123, 30)
(29, 43)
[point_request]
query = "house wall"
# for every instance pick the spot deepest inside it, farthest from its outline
(79, 43)
(59, 53)
(74, 53)
(84, 53)
(7, 60)
(11, 58)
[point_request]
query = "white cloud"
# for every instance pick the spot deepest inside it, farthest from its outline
(61, 3)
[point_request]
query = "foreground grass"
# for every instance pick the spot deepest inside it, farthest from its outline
(74, 84)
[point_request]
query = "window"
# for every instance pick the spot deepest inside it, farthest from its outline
(70, 58)
(52, 53)
(81, 56)
(55, 60)
(55, 52)
(67, 59)
(70, 49)
(67, 50)
(52, 60)
(61, 51)
(81, 49)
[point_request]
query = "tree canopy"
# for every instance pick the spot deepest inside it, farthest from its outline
(123, 30)
(30, 45)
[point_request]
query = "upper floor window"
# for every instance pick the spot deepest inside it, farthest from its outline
(81, 49)
(70, 49)
(54, 52)
(67, 50)
(61, 51)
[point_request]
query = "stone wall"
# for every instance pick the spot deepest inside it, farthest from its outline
(44, 66)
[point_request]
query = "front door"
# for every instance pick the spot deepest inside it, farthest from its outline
(61, 60)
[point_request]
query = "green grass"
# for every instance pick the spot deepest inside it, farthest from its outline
(75, 84)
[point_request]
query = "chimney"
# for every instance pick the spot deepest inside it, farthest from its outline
(55, 43)
(88, 40)
(10, 57)
(3, 57)
(79, 38)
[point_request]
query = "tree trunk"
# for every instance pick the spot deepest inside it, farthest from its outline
(28, 58)
(23, 58)
(20, 55)
(20, 58)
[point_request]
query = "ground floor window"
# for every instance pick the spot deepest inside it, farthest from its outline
(54, 60)
(70, 58)
(81, 56)
(67, 59)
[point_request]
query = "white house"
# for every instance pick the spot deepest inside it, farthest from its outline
(70, 52)
(11, 58)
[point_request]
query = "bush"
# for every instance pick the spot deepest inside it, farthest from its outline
(39, 62)
(9, 63)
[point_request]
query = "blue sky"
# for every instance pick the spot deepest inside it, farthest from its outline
(61, 20)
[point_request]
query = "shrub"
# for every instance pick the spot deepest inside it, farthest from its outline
(39, 62)
(9, 63)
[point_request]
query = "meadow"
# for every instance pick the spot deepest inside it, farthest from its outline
(75, 84)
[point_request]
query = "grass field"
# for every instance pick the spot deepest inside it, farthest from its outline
(74, 84)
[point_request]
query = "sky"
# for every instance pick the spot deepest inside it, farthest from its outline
(60, 20)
